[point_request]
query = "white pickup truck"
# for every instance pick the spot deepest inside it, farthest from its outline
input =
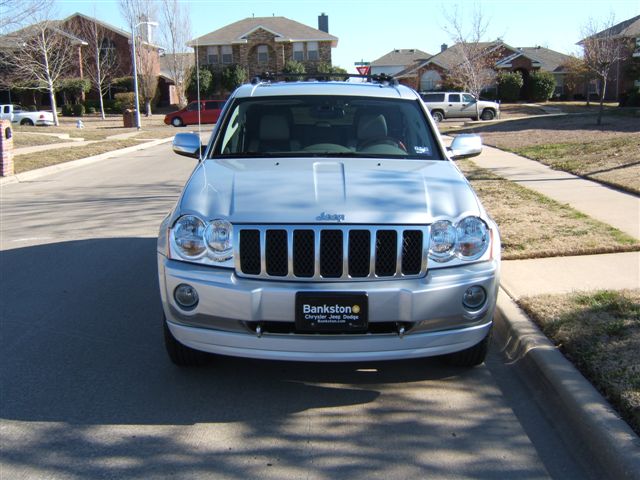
(17, 115)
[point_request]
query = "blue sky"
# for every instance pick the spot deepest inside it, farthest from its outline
(367, 29)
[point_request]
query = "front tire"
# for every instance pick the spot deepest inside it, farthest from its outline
(487, 114)
(471, 356)
(177, 122)
(180, 354)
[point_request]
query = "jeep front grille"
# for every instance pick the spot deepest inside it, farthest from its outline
(331, 252)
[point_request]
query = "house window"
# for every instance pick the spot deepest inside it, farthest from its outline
(212, 56)
(298, 51)
(430, 80)
(227, 54)
(312, 51)
(263, 54)
(107, 50)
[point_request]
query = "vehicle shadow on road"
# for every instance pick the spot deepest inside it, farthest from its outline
(86, 384)
(82, 343)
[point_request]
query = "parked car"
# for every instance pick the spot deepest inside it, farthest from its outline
(459, 105)
(326, 221)
(17, 115)
(209, 113)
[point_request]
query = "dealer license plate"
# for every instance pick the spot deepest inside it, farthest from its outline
(331, 312)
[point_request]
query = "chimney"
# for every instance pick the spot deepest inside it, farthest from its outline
(323, 22)
(443, 47)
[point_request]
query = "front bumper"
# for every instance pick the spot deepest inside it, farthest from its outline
(229, 308)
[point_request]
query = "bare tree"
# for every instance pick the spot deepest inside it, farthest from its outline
(602, 49)
(20, 11)
(176, 33)
(42, 55)
(100, 60)
(138, 15)
(474, 70)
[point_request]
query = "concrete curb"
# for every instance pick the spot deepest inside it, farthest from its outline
(607, 440)
(41, 172)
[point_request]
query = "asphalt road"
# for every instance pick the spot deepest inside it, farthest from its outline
(88, 392)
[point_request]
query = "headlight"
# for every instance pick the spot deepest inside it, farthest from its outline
(443, 240)
(219, 238)
(466, 240)
(188, 234)
(473, 238)
(208, 243)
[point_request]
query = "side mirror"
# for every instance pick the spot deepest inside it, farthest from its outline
(187, 144)
(465, 145)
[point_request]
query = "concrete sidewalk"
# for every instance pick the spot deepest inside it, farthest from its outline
(612, 271)
(615, 208)
(606, 439)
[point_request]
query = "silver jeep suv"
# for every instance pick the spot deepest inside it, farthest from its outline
(459, 105)
(326, 221)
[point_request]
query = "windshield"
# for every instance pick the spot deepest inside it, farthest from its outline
(318, 125)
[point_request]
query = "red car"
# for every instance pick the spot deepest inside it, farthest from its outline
(209, 113)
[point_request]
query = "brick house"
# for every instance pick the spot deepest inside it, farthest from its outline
(10, 43)
(262, 44)
(431, 74)
(625, 73)
(115, 41)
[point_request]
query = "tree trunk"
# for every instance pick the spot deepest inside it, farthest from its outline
(101, 103)
(147, 106)
(54, 109)
(602, 93)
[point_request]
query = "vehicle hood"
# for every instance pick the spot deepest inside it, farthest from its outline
(313, 190)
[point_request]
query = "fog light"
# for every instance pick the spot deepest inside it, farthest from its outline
(186, 296)
(474, 297)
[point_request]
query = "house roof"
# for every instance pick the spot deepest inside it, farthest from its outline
(166, 59)
(107, 26)
(628, 28)
(447, 59)
(285, 30)
(402, 56)
(543, 58)
(549, 60)
(13, 39)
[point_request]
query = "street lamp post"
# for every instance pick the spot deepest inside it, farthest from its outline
(135, 69)
(136, 100)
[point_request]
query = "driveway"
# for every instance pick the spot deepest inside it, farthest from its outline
(88, 392)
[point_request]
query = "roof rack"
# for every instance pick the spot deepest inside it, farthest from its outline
(267, 77)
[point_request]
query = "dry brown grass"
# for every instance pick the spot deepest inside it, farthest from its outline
(97, 129)
(29, 139)
(28, 162)
(533, 226)
(606, 153)
(600, 333)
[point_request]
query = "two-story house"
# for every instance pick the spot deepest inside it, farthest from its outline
(262, 44)
(625, 73)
